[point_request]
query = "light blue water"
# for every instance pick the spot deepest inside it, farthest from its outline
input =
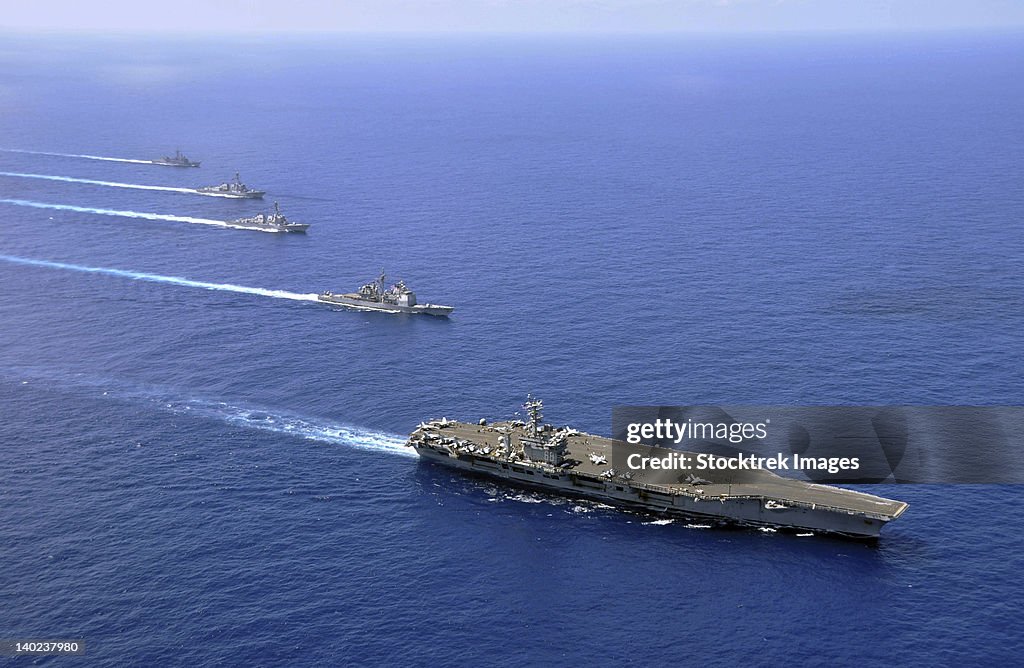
(201, 475)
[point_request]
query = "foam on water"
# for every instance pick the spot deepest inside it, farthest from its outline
(115, 212)
(156, 278)
(248, 417)
(293, 425)
(131, 214)
(110, 184)
(77, 155)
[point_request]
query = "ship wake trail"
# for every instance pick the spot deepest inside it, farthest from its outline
(115, 212)
(293, 425)
(109, 184)
(77, 155)
(156, 278)
(256, 418)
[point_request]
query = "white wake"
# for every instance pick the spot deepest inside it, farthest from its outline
(94, 182)
(335, 434)
(77, 155)
(115, 212)
(156, 278)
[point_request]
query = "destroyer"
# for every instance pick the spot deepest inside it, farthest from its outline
(275, 222)
(233, 189)
(396, 299)
(176, 160)
(566, 461)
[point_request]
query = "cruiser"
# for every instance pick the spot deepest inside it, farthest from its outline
(374, 297)
(275, 222)
(177, 160)
(565, 461)
(234, 189)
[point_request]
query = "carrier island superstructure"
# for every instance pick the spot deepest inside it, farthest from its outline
(565, 461)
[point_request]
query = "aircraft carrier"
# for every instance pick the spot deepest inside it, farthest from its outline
(565, 461)
(233, 189)
(375, 297)
(273, 222)
(176, 160)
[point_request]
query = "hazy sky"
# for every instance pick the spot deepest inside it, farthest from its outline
(508, 15)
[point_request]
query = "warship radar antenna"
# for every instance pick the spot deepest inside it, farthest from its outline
(505, 439)
(533, 408)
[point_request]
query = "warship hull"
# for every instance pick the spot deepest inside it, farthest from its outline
(172, 163)
(764, 500)
(252, 194)
(353, 301)
(298, 228)
(274, 222)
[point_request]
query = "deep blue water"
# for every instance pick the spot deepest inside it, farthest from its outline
(194, 476)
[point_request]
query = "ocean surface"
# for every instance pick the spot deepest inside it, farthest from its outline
(213, 475)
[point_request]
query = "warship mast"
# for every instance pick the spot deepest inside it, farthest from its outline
(533, 408)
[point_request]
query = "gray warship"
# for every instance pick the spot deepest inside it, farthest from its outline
(275, 222)
(233, 189)
(374, 297)
(565, 461)
(176, 160)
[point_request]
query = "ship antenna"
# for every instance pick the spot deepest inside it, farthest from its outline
(277, 209)
(533, 409)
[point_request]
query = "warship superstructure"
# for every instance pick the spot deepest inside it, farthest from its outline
(270, 222)
(176, 160)
(375, 297)
(566, 461)
(233, 189)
